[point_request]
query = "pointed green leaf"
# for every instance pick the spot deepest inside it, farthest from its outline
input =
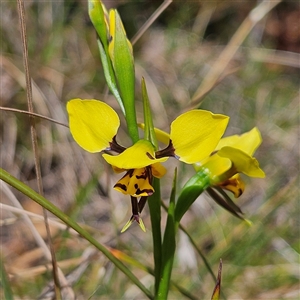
(149, 128)
(120, 52)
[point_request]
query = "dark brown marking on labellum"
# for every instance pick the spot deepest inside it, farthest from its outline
(121, 186)
(130, 173)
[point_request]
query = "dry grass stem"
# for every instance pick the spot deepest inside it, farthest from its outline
(231, 48)
(151, 20)
(58, 276)
(37, 217)
(32, 114)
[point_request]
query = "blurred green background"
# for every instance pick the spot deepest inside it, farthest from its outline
(261, 88)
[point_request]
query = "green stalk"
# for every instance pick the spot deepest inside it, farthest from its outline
(154, 200)
(155, 215)
(23, 188)
(189, 193)
(168, 247)
(205, 261)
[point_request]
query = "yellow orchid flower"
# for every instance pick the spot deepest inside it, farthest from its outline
(234, 155)
(94, 125)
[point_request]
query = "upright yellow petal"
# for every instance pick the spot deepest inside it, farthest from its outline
(247, 142)
(196, 133)
(215, 165)
(242, 162)
(93, 124)
(140, 155)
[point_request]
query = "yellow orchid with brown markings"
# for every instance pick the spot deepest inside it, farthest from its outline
(232, 156)
(193, 136)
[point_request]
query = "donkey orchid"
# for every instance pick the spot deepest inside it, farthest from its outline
(232, 156)
(94, 125)
(193, 136)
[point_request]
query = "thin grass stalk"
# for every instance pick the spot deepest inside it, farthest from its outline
(38, 218)
(21, 13)
(150, 21)
(231, 48)
(24, 189)
(32, 114)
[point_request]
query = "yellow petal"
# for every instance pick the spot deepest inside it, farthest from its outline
(216, 166)
(136, 183)
(93, 124)
(196, 133)
(158, 170)
(242, 162)
(118, 170)
(247, 142)
(140, 155)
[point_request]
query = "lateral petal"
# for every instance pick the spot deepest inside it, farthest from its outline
(196, 133)
(242, 162)
(248, 142)
(93, 123)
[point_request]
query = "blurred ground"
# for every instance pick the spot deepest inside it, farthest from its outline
(175, 54)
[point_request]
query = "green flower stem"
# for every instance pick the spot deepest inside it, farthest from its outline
(155, 215)
(168, 247)
(189, 193)
(23, 188)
